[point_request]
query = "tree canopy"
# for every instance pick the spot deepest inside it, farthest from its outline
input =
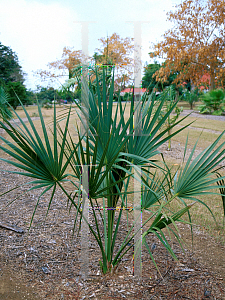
(149, 80)
(115, 50)
(12, 77)
(15, 90)
(70, 60)
(195, 45)
(10, 69)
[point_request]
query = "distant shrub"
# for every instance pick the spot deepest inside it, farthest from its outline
(213, 102)
(47, 105)
(191, 97)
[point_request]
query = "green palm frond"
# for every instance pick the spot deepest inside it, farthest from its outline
(196, 177)
(221, 185)
(33, 155)
(5, 111)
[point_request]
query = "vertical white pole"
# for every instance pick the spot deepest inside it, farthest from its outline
(137, 263)
(85, 174)
(84, 225)
(137, 132)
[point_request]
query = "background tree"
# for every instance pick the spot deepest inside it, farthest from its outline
(115, 50)
(15, 90)
(31, 97)
(70, 60)
(47, 95)
(195, 45)
(10, 69)
(98, 58)
(191, 96)
(12, 77)
(149, 79)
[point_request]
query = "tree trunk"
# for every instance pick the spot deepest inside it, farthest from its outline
(192, 85)
(212, 81)
(177, 95)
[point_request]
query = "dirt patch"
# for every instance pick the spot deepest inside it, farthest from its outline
(209, 252)
(12, 287)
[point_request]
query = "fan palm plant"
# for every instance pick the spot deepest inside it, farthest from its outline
(110, 148)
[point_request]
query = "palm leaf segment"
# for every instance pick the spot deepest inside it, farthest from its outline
(5, 112)
(33, 153)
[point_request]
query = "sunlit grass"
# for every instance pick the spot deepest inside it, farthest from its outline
(204, 123)
(205, 139)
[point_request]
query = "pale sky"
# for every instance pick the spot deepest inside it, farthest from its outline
(38, 30)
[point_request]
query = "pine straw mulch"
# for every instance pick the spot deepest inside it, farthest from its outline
(48, 259)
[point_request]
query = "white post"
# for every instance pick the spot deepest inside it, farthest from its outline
(84, 226)
(137, 228)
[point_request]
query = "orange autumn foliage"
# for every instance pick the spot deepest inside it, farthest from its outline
(69, 60)
(118, 51)
(196, 43)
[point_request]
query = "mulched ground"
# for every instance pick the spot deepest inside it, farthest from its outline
(48, 260)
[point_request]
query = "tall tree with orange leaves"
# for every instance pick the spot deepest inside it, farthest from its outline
(69, 61)
(196, 44)
(113, 51)
(118, 52)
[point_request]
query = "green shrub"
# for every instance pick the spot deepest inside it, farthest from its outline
(191, 97)
(127, 97)
(213, 102)
(46, 104)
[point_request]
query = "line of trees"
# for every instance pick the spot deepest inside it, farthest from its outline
(114, 50)
(193, 48)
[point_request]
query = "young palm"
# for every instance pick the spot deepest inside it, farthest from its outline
(111, 147)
